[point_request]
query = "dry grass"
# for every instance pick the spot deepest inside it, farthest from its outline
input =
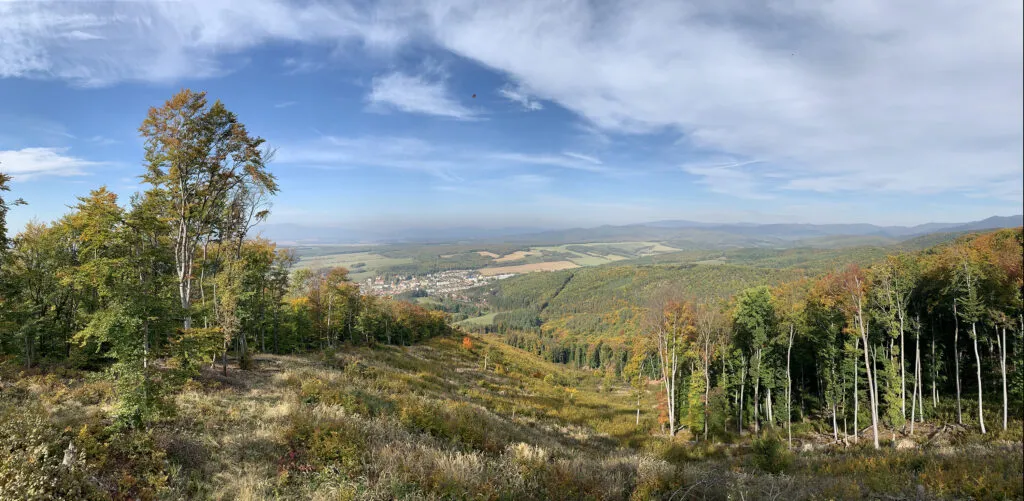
(427, 422)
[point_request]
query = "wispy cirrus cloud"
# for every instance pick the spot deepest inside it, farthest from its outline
(28, 163)
(730, 178)
(102, 43)
(518, 95)
(581, 156)
(417, 94)
(295, 66)
(564, 160)
(451, 162)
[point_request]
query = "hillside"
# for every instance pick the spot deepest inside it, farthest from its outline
(442, 420)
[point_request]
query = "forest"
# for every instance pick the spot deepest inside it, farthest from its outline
(810, 340)
(173, 279)
(155, 348)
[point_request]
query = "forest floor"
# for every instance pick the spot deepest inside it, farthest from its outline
(430, 422)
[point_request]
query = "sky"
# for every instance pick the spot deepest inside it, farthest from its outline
(538, 113)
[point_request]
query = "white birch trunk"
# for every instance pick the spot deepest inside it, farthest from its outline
(977, 358)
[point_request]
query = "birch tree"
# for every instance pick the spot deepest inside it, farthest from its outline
(856, 289)
(968, 278)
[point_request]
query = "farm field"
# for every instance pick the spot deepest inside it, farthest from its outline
(527, 268)
(361, 265)
(515, 256)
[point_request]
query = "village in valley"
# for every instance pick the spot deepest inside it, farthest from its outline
(443, 283)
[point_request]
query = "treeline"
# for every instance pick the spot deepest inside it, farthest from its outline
(172, 280)
(881, 346)
(574, 352)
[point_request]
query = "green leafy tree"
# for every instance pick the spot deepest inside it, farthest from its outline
(755, 323)
(201, 162)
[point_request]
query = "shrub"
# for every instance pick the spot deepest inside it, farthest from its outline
(336, 443)
(31, 456)
(770, 454)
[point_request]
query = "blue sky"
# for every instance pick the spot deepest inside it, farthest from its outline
(586, 113)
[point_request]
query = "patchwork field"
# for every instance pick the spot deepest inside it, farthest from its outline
(527, 268)
(361, 265)
(515, 256)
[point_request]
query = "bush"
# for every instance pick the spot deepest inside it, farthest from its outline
(31, 457)
(338, 444)
(770, 454)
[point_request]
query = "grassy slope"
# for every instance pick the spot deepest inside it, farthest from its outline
(427, 422)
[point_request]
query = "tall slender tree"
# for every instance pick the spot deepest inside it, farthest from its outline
(198, 157)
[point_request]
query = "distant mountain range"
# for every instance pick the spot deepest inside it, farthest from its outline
(679, 233)
(798, 231)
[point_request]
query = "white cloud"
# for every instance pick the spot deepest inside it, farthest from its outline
(102, 140)
(417, 94)
(285, 104)
(907, 96)
(565, 161)
(517, 95)
(101, 43)
(580, 156)
(29, 163)
(904, 97)
(448, 162)
(295, 66)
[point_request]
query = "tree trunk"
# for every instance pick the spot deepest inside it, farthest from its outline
(757, 391)
(977, 358)
(835, 426)
(903, 371)
(708, 363)
(1002, 370)
(856, 398)
(935, 375)
(743, 385)
(872, 390)
(917, 378)
(956, 359)
(789, 389)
